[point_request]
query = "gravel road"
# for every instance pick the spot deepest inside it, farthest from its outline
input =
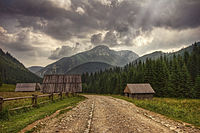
(104, 114)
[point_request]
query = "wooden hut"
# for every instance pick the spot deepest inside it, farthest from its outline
(27, 87)
(139, 91)
(62, 83)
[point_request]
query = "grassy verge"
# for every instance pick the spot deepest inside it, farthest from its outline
(7, 88)
(19, 121)
(187, 110)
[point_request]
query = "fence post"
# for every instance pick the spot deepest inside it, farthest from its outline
(1, 103)
(67, 94)
(36, 100)
(33, 99)
(60, 95)
(51, 96)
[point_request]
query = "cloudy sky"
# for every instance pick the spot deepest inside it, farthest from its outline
(39, 32)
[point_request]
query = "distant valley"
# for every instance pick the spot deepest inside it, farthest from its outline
(35, 69)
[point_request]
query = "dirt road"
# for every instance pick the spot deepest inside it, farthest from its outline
(104, 114)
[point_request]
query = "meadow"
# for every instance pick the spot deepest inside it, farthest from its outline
(14, 121)
(8, 91)
(20, 120)
(7, 105)
(7, 88)
(186, 110)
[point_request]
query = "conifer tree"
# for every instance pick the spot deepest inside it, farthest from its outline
(0, 80)
(185, 83)
(169, 76)
(197, 86)
(175, 78)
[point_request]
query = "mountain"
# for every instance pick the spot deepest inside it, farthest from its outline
(188, 49)
(35, 69)
(154, 55)
(98, 54)
(12, 71)
(157, 54)
(89, 67)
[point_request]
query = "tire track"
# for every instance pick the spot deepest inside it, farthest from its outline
(90, 119)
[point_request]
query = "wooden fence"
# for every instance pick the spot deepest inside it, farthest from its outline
(34, 99)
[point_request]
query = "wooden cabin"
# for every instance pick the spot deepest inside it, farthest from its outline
(139, 91)
(27, 87)
(62, 83)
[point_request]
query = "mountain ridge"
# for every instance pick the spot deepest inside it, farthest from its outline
(158, 54)
(100, 53)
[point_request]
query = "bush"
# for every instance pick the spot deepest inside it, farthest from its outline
(4, 115)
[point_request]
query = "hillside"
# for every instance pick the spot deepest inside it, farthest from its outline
(178, 77)
(89, 67)
(158, 54)
(98, 54)
(154, 55)
(12, 71)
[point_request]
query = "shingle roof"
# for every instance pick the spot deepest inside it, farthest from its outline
(139, 88)
(26, 86)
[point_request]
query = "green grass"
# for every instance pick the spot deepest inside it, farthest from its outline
(19, 103)
(7, 88)
(19, 121)
(186, 110)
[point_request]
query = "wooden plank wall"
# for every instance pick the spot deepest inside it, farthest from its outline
(62, 83)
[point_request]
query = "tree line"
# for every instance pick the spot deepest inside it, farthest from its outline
(177, 76)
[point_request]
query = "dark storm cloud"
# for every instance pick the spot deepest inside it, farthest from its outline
(17, 43)
(117, 16)
(117, 23)
(46, 16)
(60, 52)
(96, 39)
(64, 51)
(178, 14)
(110, 39)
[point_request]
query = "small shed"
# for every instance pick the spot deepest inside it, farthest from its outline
(27, 87)
(62, 83)
(139, 91)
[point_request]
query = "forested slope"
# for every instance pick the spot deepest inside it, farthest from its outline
(12, 71)
(176, 77)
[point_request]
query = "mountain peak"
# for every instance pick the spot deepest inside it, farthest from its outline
(99, 53)
(102, 47)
